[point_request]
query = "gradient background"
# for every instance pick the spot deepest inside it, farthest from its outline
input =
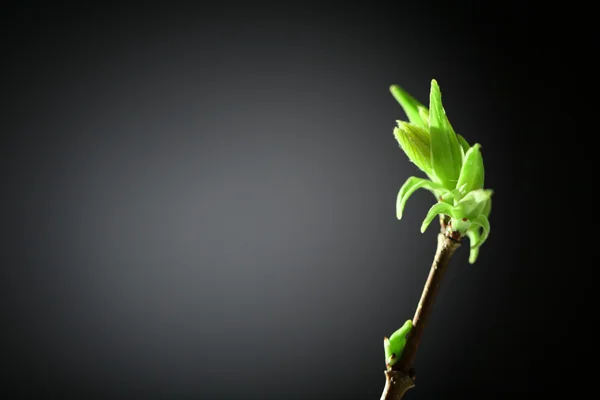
(200, 203)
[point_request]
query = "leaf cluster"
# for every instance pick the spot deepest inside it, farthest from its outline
(454, 169)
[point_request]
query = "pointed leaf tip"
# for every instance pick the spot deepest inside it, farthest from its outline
(437, 208)
(410, 186)
(409, 104)
(463, 143)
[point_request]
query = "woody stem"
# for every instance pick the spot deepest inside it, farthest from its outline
(401, 378)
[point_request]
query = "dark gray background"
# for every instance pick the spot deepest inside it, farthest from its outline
(200, 203)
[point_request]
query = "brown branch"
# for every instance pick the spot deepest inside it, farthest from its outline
(396, 385)
(402, 376)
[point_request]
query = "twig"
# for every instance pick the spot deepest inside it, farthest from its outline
(402, 376)
(396, 385)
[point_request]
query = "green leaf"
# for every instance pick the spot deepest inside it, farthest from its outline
(448, 197)
(438, 208)
(424, 114)
(446, 153)
(411, 185)
(459, 225)
(473, 234)
(472, 204)
(488, 208)
(409, 104)
(481, 220)
(476, 238)
(463, 143)
(416, 144)
(472, 173)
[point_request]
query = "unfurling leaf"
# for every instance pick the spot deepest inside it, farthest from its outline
(473, 234)
(472, 204)
(438, 208)
(463, 143)
(409, 104)
(411, 185)
(446, 152)
(424, 114)
(482, 221)
(416, 144)
(488, 208)
(471, 174)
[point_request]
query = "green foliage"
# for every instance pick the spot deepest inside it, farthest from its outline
(454, 168)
